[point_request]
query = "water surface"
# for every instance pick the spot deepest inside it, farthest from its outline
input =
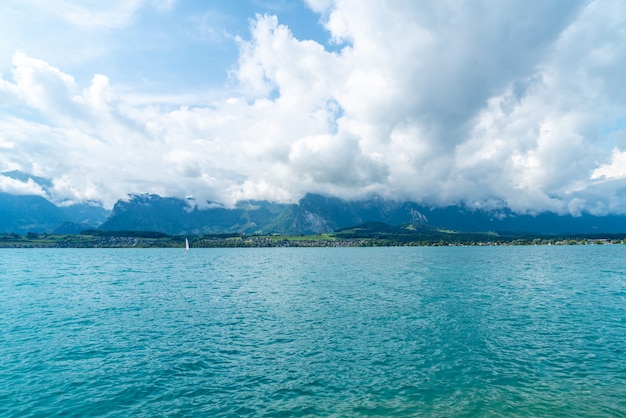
(435, 332)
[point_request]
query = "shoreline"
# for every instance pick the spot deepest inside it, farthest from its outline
(139, 240)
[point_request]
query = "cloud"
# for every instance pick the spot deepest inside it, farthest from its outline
(17, 187)
(335, 161)
(615, 169)
(40, 85)
(492, 105)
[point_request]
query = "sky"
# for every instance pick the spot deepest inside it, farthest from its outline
(487, 104)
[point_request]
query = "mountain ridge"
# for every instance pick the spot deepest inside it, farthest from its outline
(313, 214)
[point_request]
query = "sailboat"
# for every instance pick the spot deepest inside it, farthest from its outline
(186, 245)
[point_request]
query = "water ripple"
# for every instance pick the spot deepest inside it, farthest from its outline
(437, 332)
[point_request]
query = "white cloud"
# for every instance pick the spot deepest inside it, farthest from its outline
(40, 85)
(616, 169)
(17, 187)
(492, 104)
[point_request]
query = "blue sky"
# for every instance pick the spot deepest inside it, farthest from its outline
(485, 103)
(153, 46)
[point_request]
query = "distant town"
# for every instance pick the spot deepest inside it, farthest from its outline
(143, 239)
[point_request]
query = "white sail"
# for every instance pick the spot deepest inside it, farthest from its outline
(186, 244)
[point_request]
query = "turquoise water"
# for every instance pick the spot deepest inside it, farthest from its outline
(433, 332)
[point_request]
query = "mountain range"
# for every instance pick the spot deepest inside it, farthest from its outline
(313, 214)
(321, 214)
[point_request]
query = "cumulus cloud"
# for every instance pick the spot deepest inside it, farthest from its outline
(488, 104)
(17, 187)
(615, 169)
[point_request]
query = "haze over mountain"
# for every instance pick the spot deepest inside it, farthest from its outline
(313, 214)
(488, 105)
(21, 213)
(320, 214)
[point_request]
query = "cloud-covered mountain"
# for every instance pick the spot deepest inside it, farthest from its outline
(148, 212)
(28, 207)
(313, 214)
(320, 214)
(31, 213)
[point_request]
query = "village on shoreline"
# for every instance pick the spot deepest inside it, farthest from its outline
(138, 239)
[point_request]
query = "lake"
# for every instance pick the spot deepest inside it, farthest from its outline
(346, 332)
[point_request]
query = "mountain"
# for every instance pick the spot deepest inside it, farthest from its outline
(69, 227)
(21, 214)
(321, 214)
(463, 219)
(313, 214)
(34, 213)
(149, 212)
(28, 213)
(418, 233)
(90, 213)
